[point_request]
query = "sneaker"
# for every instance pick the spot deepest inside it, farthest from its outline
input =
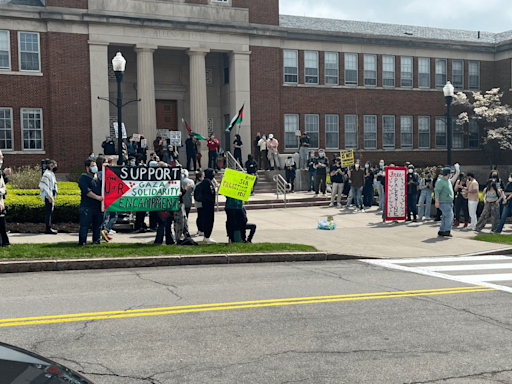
(331, 205)
(208, 240)
(339, 205)
(456, 224)
(325, 194)
(362, 210)
(105, 236)
(199, 233)
(356, 210)
(466, 224)
(51, 231)
(111, 232)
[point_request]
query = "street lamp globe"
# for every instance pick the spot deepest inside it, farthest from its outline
(119, 63)
(448, 89)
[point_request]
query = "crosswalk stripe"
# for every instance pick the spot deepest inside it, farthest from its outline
(447, 259)
(467, 267)
(490, 277)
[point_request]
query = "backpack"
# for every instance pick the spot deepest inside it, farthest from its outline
(198, 193)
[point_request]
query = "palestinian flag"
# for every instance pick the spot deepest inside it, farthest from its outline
(236, 120)
(196, 135)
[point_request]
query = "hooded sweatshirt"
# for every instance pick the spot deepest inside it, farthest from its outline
(207, 188)
(251, 165)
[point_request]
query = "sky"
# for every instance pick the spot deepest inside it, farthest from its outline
(473, 15)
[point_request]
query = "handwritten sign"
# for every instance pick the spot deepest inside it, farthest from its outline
(237, 185)
(123, 129)
(126, 189)
(175, 138)
(136, 137)
(396, 193)
(347, 157)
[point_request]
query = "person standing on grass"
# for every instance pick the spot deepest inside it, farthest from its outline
(90, 203)
(198, 204)
(507, 205)
(337, 180)
(444, 202)
(48, 190)
(321, 164)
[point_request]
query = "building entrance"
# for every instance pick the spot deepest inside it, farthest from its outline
(166, 115)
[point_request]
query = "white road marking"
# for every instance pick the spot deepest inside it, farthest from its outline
(490, 277)
(467, 267)
(448, 259)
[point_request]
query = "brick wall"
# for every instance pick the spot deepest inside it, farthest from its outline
(260, 11)
(81, 4)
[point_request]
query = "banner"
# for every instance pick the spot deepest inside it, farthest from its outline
(123, 129)
(396, 193)
(126, 189)
(237, 185)
(347, 157)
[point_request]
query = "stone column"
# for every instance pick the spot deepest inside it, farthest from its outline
(240, 93)
(146, 108)
(99, 60)
(198, 99)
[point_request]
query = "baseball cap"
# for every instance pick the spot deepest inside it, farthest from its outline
(446, 171)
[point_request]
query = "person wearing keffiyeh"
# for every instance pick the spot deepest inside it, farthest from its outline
(48, 187)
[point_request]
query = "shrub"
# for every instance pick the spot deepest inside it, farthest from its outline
(74, 175)
(26, 177)
(30, 208)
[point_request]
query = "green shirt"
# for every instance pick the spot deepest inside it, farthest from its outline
(444, 190)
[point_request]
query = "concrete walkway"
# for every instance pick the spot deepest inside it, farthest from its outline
(357, 234)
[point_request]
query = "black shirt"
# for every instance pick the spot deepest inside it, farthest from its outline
(508, 188)
(322, 170)
(109, 148)
(87, 184)
(304, 140)
(338, 178)
(190, 146)
(251, 166)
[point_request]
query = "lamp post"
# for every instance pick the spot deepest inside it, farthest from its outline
(448, 95)
(119, 65)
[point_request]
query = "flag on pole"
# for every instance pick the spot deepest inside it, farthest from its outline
(196, 135)
(236, 120)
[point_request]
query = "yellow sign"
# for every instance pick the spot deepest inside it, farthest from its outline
(237, 185)
(347, 157)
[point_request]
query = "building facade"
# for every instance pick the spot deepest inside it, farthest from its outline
(376, 88)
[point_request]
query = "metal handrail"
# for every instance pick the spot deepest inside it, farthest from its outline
(233, 163)
(282, 187)
(216, 185)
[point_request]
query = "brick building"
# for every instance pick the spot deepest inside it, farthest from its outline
(368, 86)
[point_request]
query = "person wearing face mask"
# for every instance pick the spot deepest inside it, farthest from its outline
(357, 185)
(238, 145)
(262, 144)
(321, 165)
(304, 148)
(48, 191)
(311, 171)
(213, 148)
(495, 175)
(90, 203)
(368, 185)
(507, 205)
(444, 202)
(425, 201)
(379, 183)
(273, 152)
(290, 168)
(413, 182)
(337, 179)
(461, 200)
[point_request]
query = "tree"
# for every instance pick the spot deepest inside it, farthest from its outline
(493, 117)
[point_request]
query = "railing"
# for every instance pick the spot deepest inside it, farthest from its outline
(282, 187)
(232, 163)
(216, 185)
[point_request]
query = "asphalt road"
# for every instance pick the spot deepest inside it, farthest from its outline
(329, 322)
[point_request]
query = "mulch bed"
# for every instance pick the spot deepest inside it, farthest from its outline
(41, 228)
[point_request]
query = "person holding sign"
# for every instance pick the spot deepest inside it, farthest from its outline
(90, 203)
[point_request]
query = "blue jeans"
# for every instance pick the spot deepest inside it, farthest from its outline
(447, 219)
(425, 203)
(356, 194)
(506, 211)
(311, 180)
(89, 216)
(109, 219)
(304, 151)
(382, 195)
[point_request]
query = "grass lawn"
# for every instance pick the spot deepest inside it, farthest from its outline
(72, 251)
(495, 238)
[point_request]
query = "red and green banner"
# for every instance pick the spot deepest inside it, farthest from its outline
(126, 189)
(236, 120)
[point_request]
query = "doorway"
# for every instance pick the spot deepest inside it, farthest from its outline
(167, 114)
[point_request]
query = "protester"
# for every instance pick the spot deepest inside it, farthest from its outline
(491, 196)
(199, 205)
(164, 228)
(311, 171)
(368, 185)
(238, 145)
(495, 175)
(273, 152)
(257, 151)
(235, 219)
(357, 183)
(158, 145)
(248, 226)
(90, 203)
(290, 168)
(191, 149)
(199, 155)
(213, 148)
(337, 173)
(181, 234)
(413, 182)
(473, 191)
(379, 183)
(141, 149)
(304, 143)
(262, 144)
(461, 200)
(444, 202)
(425, 201)
(321, 164)
(507, 202)
(251, 167)
(109, 147)
(48, 190)
(187, 197)
(205, 193)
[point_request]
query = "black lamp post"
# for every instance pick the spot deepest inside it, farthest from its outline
(448, 95)
(119, 65)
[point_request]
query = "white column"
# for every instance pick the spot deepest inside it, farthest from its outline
(198, 98)
(146, 108)
(240, 93)
(100, 121)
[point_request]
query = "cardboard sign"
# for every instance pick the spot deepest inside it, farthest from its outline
(136, 137)
(175, 138)
(298, 133)
(347, 157)
(123, 128)
(396, 193)
(162, 132)
(237, 185)
(126, 189)
(144, 143)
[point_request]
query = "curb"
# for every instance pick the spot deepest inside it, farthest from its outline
(166, 261)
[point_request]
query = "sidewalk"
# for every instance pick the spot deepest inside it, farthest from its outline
(357, 234)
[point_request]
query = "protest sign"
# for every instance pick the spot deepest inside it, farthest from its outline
(136, 137)
(123, 128)
(144, 143)
(396, 193)
(126, 189)
(175, 138)
(347, 157)
(237, 185)
(297, 133)
(162, 132)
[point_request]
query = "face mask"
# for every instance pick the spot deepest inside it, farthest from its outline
(213, 137)
(153, 163)
(132, 163)
(367, 165)
(321, 154)
(357, 166)
(92, 156)
(510, 179)
(312, 155)
(54, 170)
(94, 169)
(381, 164)
(411, 170)
(264, 137)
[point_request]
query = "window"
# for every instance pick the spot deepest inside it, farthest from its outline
(350, 131)
(311, 67)
(423, 132)
(388, 132)
(406, 70)
(332, 135)
(312, 123)
(370, 132)
(331, 68)
(5, 128)
(32, 128)
(291, 65)
(474, 75)
(406, 131)
(29, 51)
(423, 72)
(225, 60)
(441, 65)
(440, 132)
(351, 68)
(388, 71)
(474, 134)
(370, 69)
(458, 74)
(4, 50)
(457, 134)
(291, 125)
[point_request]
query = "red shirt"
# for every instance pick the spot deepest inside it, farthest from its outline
(213, 145)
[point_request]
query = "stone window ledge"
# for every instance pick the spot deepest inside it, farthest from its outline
(18, 73)
(25, 152)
